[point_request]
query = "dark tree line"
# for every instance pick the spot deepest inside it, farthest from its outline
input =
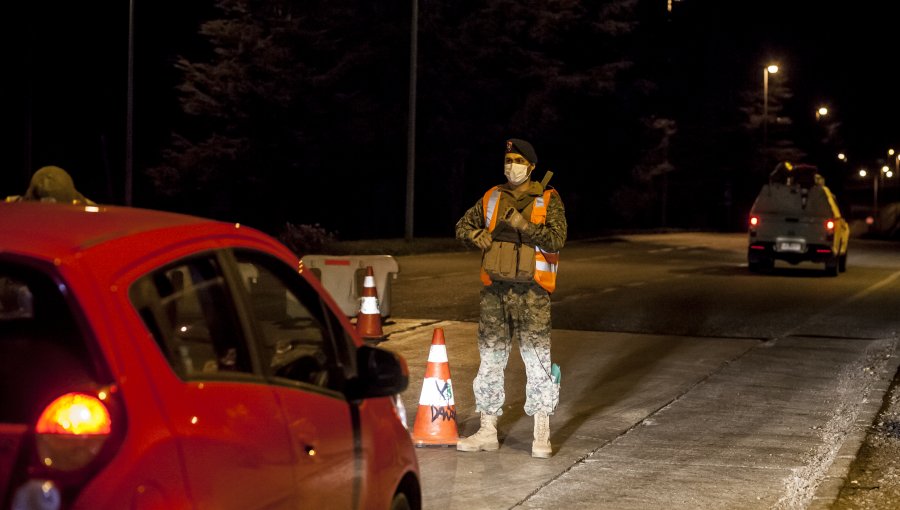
(296, 112)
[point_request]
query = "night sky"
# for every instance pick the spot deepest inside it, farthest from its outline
(843, 54)
(65, 81)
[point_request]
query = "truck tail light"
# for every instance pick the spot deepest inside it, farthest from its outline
(72, 430)
(754, 221)
(829, 229)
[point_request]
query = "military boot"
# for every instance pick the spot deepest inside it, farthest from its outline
(540, 448)
(485, 439)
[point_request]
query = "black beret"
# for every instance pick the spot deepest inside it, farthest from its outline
(522, 147)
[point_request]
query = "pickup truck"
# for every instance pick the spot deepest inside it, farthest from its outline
(795, 218)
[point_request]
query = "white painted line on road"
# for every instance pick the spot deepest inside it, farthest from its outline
(837, 306)
(865, 292)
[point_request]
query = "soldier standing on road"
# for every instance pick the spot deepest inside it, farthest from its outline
(520, 227)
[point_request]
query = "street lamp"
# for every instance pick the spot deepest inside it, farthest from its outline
(843, 157)
(770, 69)
(821, 112)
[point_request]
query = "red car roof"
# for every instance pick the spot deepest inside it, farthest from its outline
(48, 231)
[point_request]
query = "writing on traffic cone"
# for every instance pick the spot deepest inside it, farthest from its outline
(436, 419)
(368, 320)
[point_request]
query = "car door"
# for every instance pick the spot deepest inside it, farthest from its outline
(230, 428)
(308, 371)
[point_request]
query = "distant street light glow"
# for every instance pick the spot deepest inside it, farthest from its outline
(842, 156)
(863, 172)
(823, 111)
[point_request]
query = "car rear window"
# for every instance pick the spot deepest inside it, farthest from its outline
(43, 351)
(793, 200)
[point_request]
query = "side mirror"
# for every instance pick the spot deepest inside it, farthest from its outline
(381, 373)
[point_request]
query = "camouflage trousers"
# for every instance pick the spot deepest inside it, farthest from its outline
(515, 310)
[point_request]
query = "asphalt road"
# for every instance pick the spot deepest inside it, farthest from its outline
(688, 382)
(678, 284)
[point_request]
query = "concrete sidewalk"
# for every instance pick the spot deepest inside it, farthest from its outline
(651, 421)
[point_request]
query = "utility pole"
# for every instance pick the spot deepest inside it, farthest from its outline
(769, 69)
(411, 129)
(129, 108)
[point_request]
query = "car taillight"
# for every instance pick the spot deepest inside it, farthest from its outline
(71, 430)
(74, 436)
(754, 221)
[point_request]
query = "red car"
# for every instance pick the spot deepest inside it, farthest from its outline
(151, 360)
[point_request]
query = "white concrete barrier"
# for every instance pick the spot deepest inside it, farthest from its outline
(343, 275)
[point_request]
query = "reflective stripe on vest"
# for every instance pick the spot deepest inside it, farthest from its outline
(546, 263)
(490, 201)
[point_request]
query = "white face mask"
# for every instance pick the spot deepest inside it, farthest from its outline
(515, 173)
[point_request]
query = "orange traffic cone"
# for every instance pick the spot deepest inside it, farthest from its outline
(436, 419)
(368, 320)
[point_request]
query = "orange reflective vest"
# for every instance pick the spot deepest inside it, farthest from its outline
(545, 262)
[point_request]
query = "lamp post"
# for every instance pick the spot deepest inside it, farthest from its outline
(129, 110)
(875, 179)
(411, 126)
(896, 158)
(770, 69)
(821, 112)
(863, 173)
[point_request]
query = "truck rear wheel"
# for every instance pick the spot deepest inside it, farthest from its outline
(832, 265)
(758, 263)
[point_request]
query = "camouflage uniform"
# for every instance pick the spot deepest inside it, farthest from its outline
(520, 309)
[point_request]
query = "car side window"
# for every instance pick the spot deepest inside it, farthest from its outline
(191, 314)
(296, 342)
